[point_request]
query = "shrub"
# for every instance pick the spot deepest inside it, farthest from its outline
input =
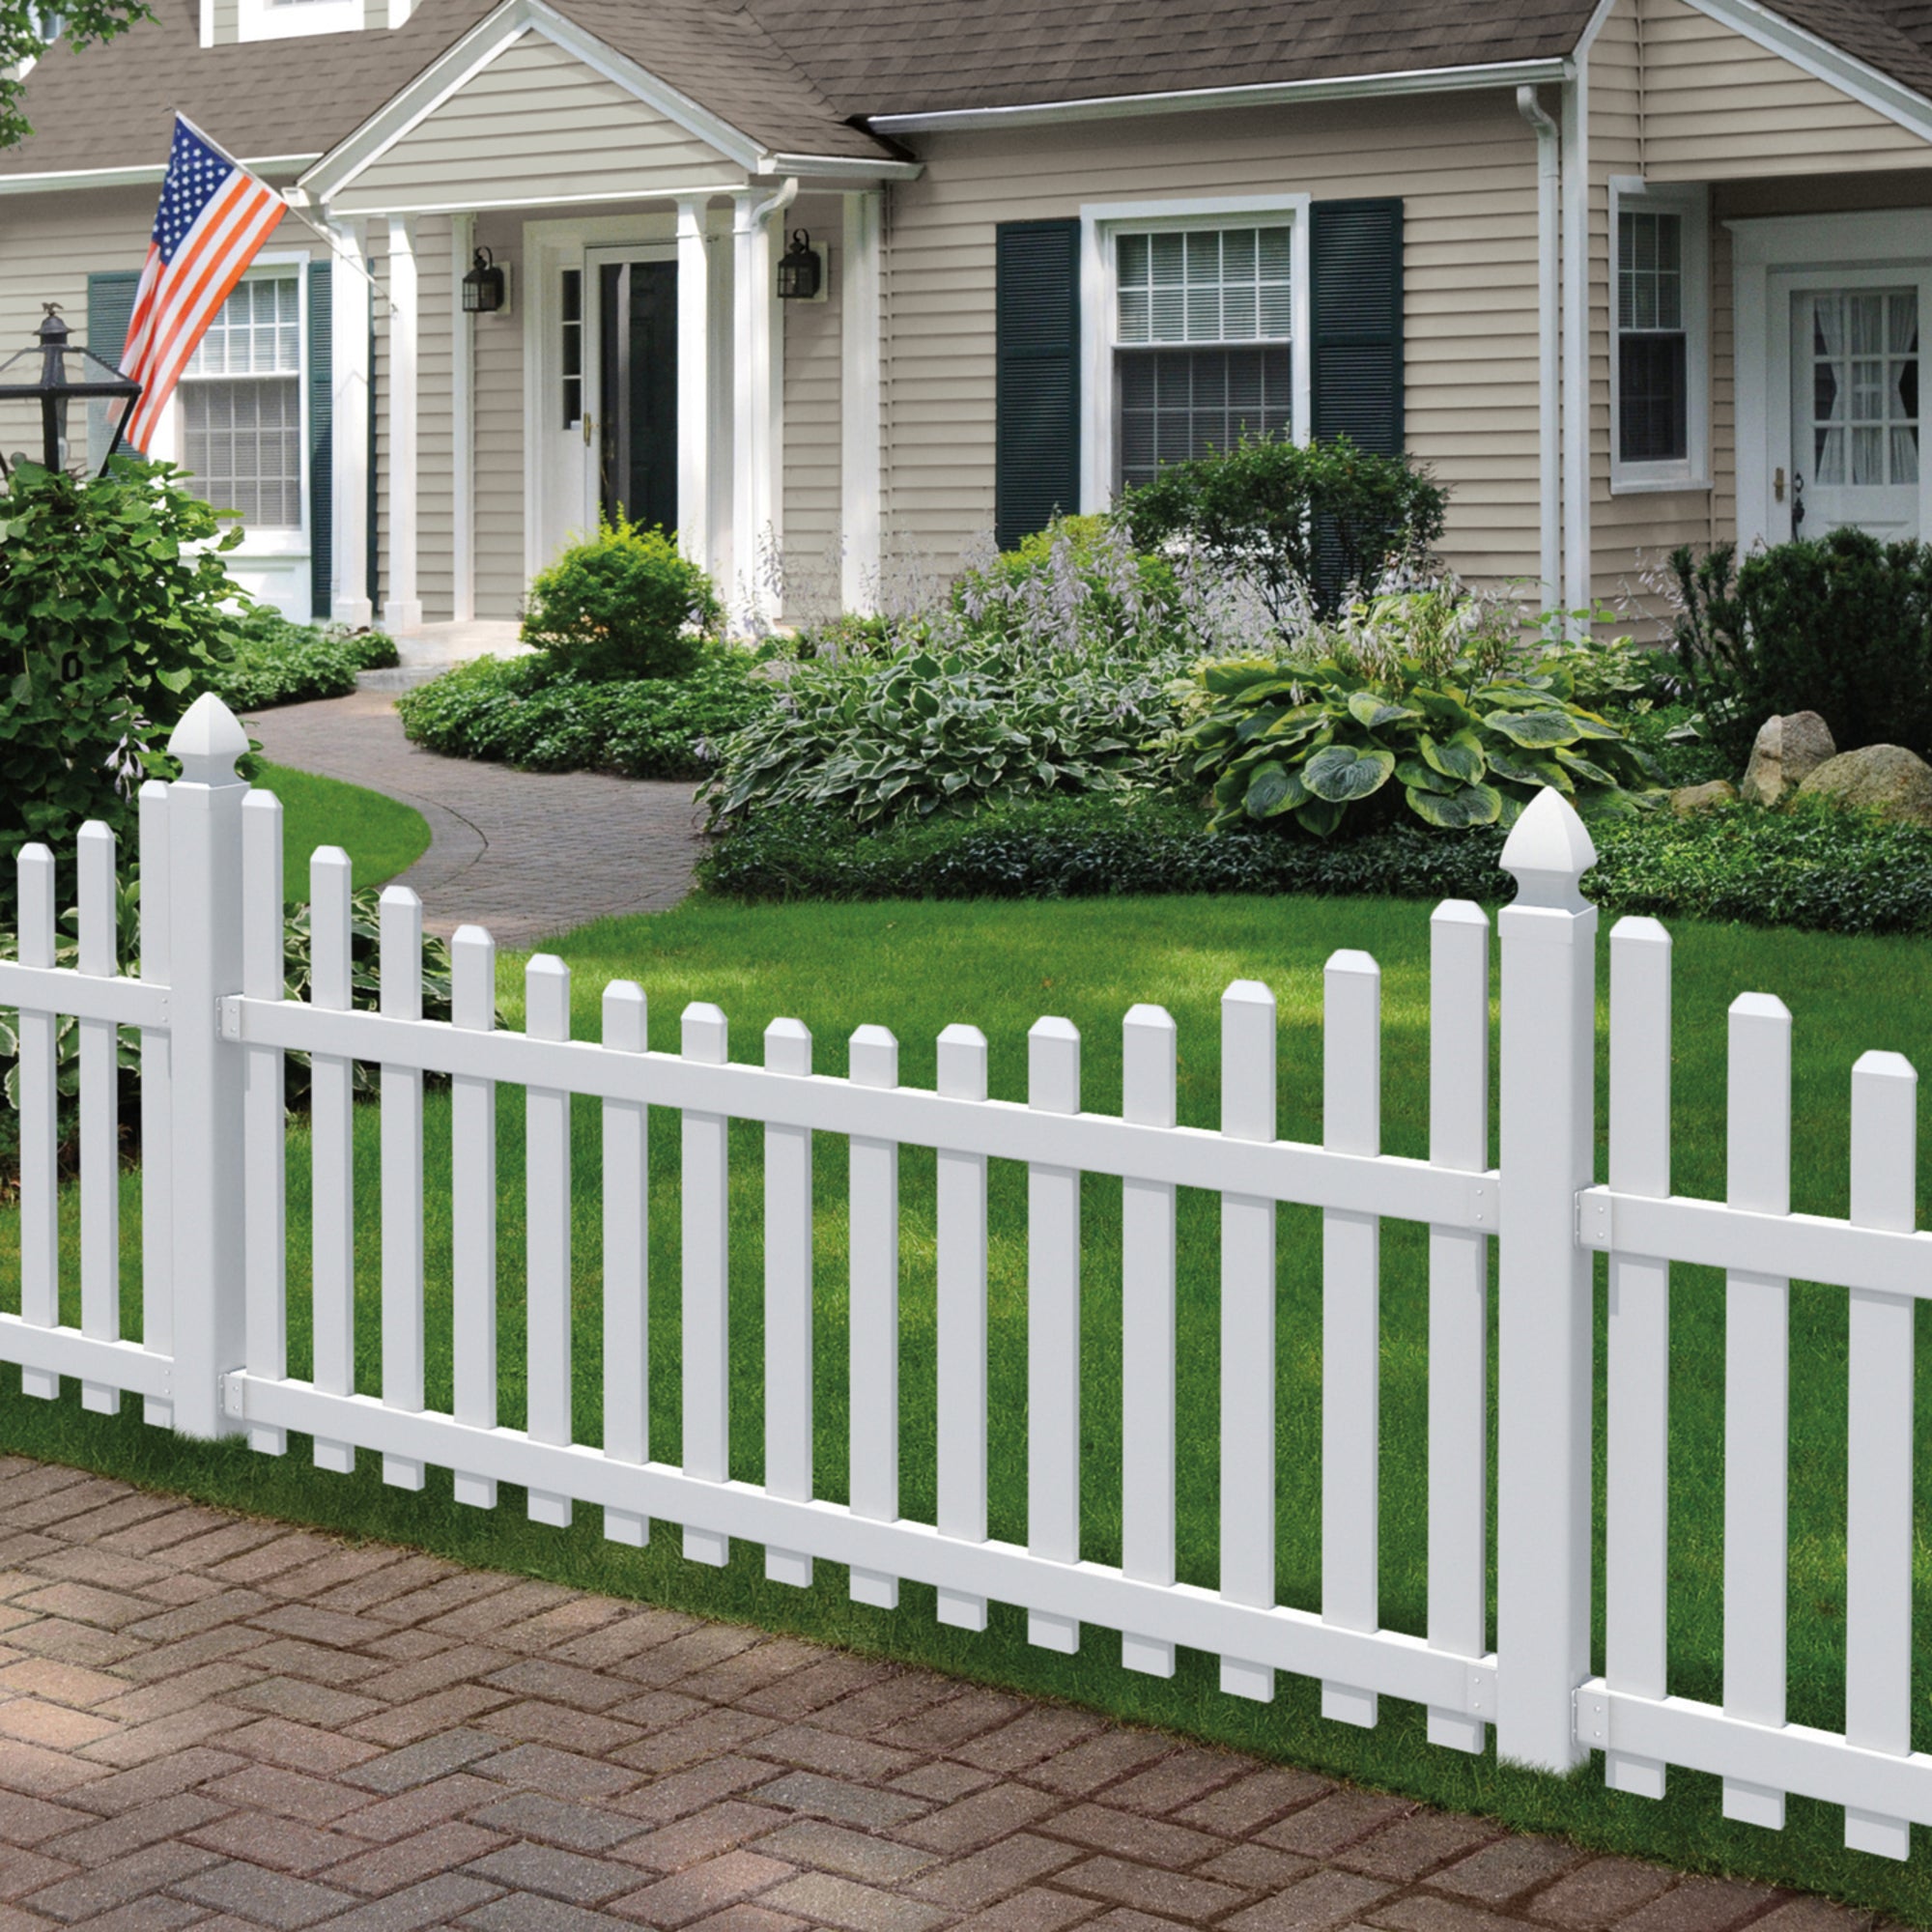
(1294, 520)
(277, 662)
(112, 597)
(527, 713)
(1421, 687)
(626, 605)
(1077, 588)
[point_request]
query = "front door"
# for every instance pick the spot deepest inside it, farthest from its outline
(634, 449)
(1854, 424)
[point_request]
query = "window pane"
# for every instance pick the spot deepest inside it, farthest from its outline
(1650, 260)
(1179, 403)
(1166, 252)
(243, 439)
(1828, 460)
(1204, 286)
(1905, 455)
(1865, 315)
(1868, 456)
(1652, 398)
(1904, 321)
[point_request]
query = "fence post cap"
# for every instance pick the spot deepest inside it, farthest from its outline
(207, 741)
(1548, 852)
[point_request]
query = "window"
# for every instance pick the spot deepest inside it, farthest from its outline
(1203, 327)
(573, 348)
(241, 405)
(1657, 366)
(1864, 388)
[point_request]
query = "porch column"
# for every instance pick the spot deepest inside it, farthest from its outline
(693, 383)
(753, 394)
(401, 609)
(348, 420)
(860, 427)
(462, 424)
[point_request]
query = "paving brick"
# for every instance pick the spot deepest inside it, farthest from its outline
(1254, 1868)
(180, 1586)
(832, 1797)
(737, 1918)
(404, 1683)
(156, 1913)
(1175, 1895)
(1240, 1807)
(853, 1908)
(112, 1569)
(390, 1772)
(701, 1889)
(21, 1872)
(582, 1828)
(626, 1636)
(562, 1684)
(867, 1713)
(574, 1617)
(1500, 1873)
(687, 1791)
(497, 1609)
(306, 1703)
(1102, 1829)
(216, 1546)
(69, 1500)
(1323, 1900)
(58, 1726)
(166, 1529)
(165, 1696)
(86, 1603)
(1700, 1905)
(1099, 1762)
(266, 1839)
(968, 1883)
(170, 1660)
(290, 1657)
(1417, 1844)
(309, 1623)
(69, 1641)
(531, 1722)
(143, 1744)
(267, 1897)
(813, 1750)
(381, 1593)
(942, 1727)
(117, 1515)
(341, 1565)
(291, 1794)
(391, 1818)
(100, 1841)
(1323, 1829)
(191, 1619)
(290, 1550)
(182, 1771)
(1801, 1914)
(703, 1835)
(803, 1692)
(1030, 1911)
(526, 1912)
(706, 1644)
(711, 1733)
(301, 1747)
(1125, 1920)
(436, 1901)
(30, 1821)
(407, 1862)
(978, 1820)
(1422, 1912)
(1600, 1893)
(737, 1676)
(562, 1773)
(660, 1709)
(1032, 1738)
(554, 1872)
(442, 1711)
(84, 1899)
(941, 1781)
(42, 1773)
(406, 1646)
(834, 1848)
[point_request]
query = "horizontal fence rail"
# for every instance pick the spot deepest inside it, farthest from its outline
(214, 1028)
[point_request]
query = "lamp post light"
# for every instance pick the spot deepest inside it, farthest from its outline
(54, 388)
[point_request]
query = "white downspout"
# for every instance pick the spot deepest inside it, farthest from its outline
(1549, 343)
(1577, 338)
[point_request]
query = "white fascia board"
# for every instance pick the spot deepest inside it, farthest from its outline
(845, 169)
(1122, 106)
(147, 174)
(1862, 83)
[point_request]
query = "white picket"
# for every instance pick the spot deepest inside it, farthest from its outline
(265, 1135)
(40, 1199)
(1147, 1069)
(100, 1111)
(960, 1237)
(157, 1239)
(874, 1366)
(1879, 1537)
(1351, 1115)
(332, 1148)
(1053, 1329)
(1638, 1525)
(546, 1223)
(706, 1297)
(400, 931)
(1248, 1447)
(472, 1231)
(627, 1330)
(788, 1360)
(1459, 1307)
(1757, 1393)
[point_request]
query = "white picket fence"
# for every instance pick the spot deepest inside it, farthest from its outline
(214, 1028)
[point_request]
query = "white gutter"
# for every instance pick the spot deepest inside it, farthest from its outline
(1576, 584)
(860, 173)
(1115, 106)
(147, 174)
(1548, 341)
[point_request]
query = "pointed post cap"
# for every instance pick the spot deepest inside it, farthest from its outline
(207, 741)
(1548, 852)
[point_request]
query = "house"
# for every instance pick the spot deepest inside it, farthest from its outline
(1625, 275)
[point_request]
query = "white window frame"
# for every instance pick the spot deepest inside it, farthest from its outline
(290, 19)
(1691, 203)
(1101, 221)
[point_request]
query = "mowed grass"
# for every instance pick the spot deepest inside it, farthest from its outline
(382, 836)
(917, 968)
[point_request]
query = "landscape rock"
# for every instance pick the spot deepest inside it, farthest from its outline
(1689, 800)
(1787, 751)
(1884, 778)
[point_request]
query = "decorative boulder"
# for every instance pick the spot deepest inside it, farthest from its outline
(1787, 751)
(1884, 778)
(1689, 800)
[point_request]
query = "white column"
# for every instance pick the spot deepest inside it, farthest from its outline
(462, 424)
(859, 467)
(748, 345)
(693, 383)
(1577, 340)
(348, 406)
(401, 609)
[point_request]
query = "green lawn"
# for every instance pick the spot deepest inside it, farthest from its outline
(917, 967)
(380, 837)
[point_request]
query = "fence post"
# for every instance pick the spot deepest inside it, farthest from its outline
(1544, 1287)
(204, 821)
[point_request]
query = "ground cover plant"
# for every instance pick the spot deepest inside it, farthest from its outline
(1000, 966)
(276, 662)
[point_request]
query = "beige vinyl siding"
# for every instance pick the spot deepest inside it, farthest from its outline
(1465, 168)
(498, 393)
(812, 372)
(50, 245)
(227, 24)
(436, 443)
(535, 124)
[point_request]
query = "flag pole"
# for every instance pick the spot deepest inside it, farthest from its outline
(349, 261)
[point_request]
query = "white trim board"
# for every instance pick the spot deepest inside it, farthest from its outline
(146, 175)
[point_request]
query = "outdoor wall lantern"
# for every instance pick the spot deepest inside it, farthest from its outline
(53, 389)
(483, 288)
(799, 269)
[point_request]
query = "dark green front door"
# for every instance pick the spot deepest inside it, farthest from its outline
(637, 454)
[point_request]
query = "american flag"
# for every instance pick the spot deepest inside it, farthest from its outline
(214, 217)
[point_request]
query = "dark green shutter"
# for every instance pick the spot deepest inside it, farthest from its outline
(1037, 411)
(321, 439)
(111, 307)
(1356, 291)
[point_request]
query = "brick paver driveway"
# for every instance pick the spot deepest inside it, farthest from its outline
(528, 854)
(212, 1720)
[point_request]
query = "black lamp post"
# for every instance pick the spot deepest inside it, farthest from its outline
(54, 388)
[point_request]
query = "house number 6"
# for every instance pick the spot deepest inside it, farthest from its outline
(70, 668)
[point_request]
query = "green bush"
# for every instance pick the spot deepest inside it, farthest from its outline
(1077, 588)
(1296, 521)
(1839, 624)
(112, 617)
(276, 662)
(527, 713)
(627, 605)
(1424, 688)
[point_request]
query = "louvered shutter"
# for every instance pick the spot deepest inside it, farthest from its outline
(1355, 294)
(321, 439)
(1037, 411)
(111, 307)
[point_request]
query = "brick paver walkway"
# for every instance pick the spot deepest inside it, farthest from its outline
(527, 854)
(211, 1720)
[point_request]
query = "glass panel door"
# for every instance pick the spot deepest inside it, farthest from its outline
(1855, 410)
(636, 435)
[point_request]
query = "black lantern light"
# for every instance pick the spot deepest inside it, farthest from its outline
(483, 286)
(798, 269)
(53, 389)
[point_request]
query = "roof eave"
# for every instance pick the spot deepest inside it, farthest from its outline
(145, 175)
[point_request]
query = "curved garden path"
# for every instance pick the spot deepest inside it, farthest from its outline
(527, 854)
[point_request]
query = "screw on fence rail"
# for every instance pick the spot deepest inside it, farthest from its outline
(1543, 1313)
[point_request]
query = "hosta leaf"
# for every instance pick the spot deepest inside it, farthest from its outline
(1273, 789)
(1373, 712)
(1589, 725)
(1418, 776)
(1520, 769)
(1467, 804)
(1319, 815)
(1585, 769)
(1459, 757)
(1537, 731)
(1342, 773)
(1445, 709)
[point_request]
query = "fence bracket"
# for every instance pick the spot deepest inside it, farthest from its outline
(1593, 1717)
(235, 1396)
(1593, 1218)
(228, 1015)
(1482, 1699)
